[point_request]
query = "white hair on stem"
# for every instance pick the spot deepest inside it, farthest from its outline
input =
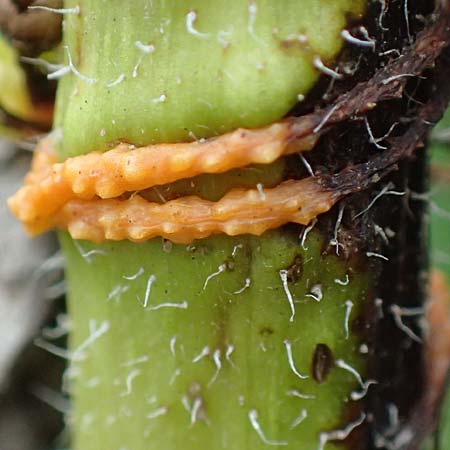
(75, 10)
(307, 165)
(339, 435)
(135, 275)
(324, 121)
(41, 62)
(305, 233)
(252, 13)
(228, 353)
(117, 81)
(150, 280)
(76, 354)
(298, 420)
(290, 357)
(53, 349)
(406, 11)
(204, 352)
(138, 360)
(218, 364)
(175, 375)
(172, 344)
(283, 275)
(369, 43)
(260, 190)
(377, 255)
(196, 405)
(129, 382)
(385, 191)
(253, 417)
(95, 333)
(375, 141)
(70, 68)
(117, 291)
(356, 395)
(398, 313)
(62, 327)
(348, 311)
(220, 269)
(342, 282)
(157, 412)
(191, 17)
(181, 305)
(298, 394)
(243, 288)
(144, 48)
(335, 242)
(161, 99)
(87, 254)
(316, 293)
(319, 65)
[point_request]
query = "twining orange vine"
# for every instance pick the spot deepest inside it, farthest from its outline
(81, 194)
(126, 168)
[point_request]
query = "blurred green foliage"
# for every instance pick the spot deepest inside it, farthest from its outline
(440, 236)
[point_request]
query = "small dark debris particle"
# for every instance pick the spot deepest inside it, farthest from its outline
(266, 331)
(323, 361)
(294, 271)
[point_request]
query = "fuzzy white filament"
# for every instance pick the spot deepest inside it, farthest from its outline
(87, 254)
(253, 417)
(290, 357)
(129, 382)
(242, 289)
(181, 305)
(370, 43)
(191, 17)
(204, 352)
(135, 275)
(342, 282)
(377, 255)
(157, 413)
(220, 269)
(343, 365)
(339, 435)
(316, 293)
(358, 395)
(75, 10)
(348, 310)
(229, 351)
(335, 242)
(94, 334)
(218, 364)
(195, 409)
(398, 313)
(151, 279)
(319, 65)
(298, 420)
(304, 235)
(117, 81)
(260, 189)
(74, 70)
(173, 341)
(298, 394)
(283, 275)
(144, 48)
(307, 165)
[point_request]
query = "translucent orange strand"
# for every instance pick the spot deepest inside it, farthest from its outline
(185, 219)
(127, 168)
(78, 195)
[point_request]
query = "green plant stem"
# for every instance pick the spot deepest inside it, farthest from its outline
(198, 346)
